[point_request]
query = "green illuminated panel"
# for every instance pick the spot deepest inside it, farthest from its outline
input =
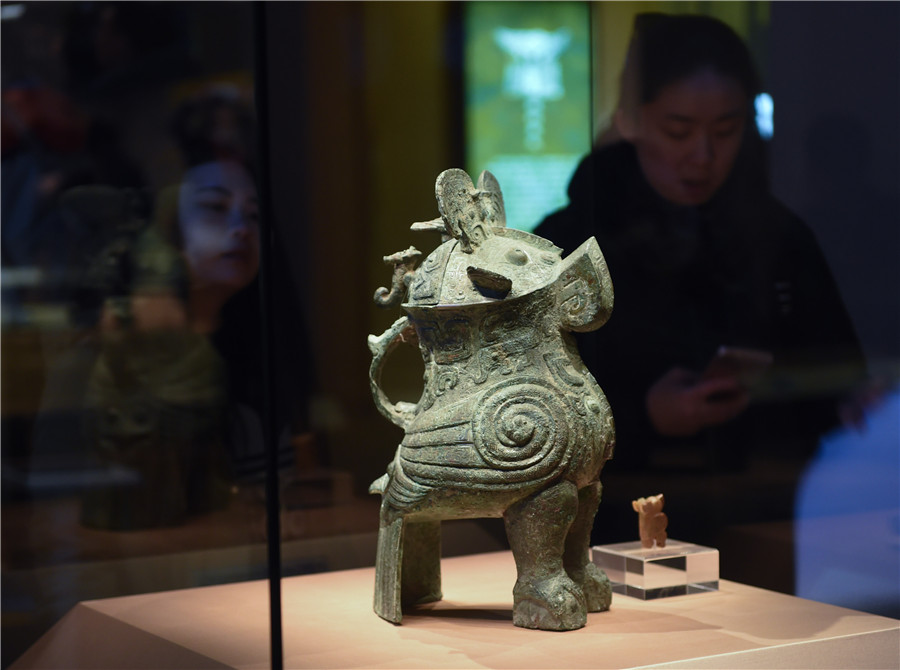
(528, 100)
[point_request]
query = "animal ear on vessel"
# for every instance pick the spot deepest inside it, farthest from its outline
(488, 182)
(454, 190)
(584, 290)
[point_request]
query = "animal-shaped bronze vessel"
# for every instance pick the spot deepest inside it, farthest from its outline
(510, 422)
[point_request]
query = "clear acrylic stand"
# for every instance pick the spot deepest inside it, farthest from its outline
(677, 569)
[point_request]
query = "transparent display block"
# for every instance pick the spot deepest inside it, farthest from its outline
(677, 569)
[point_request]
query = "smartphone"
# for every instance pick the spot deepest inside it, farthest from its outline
(747, 365)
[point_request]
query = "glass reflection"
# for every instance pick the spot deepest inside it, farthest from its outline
(131, 342)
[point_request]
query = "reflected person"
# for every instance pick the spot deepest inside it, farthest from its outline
(159, 392)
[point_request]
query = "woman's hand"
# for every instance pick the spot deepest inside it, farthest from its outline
(681, 403)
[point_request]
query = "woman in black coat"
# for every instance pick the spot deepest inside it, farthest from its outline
(702, 256)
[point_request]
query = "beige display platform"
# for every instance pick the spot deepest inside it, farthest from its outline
(329, 623)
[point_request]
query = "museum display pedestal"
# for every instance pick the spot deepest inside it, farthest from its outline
(677, 569)
(329, 623)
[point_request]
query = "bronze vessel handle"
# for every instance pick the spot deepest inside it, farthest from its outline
(400, 332)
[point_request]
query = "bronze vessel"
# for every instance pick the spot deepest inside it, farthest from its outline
(510, 422)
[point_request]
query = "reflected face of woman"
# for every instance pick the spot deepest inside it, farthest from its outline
(687, 138)
(218, 213)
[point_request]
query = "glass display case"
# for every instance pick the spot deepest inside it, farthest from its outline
(196, 200)
(133, 457)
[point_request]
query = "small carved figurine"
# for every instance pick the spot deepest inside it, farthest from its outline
(651, 520)
(510, 422)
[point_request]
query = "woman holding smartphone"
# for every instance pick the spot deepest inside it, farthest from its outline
(703, 256)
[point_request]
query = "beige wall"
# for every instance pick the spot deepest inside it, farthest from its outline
(362, 124)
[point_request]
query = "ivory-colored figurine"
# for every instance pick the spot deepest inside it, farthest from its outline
(651, 520)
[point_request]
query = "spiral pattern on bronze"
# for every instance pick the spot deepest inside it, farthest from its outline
(521, 425)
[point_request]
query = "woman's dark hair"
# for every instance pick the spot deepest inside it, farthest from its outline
(213, 126)
(667, 47)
